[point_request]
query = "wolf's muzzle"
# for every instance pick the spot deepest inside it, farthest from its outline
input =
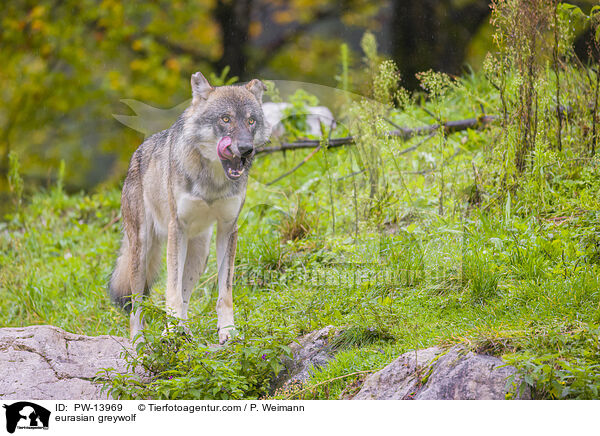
(246, 150)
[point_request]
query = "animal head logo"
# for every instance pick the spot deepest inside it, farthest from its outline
(26, 415)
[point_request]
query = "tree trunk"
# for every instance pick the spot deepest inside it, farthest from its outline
(233, 17)
(433, 34)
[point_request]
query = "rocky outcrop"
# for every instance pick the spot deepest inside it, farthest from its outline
(433, 374)
(399, 379)
(313, 350)
(48, 363)
(427, 374)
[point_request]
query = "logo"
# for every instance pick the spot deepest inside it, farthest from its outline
(26, 415)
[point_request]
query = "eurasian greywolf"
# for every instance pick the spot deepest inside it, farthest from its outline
(180, 182)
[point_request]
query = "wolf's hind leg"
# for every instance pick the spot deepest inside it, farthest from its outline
(138, 288)
(150, 261)
(144, 267)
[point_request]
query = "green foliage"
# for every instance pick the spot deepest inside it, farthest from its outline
(368, 43)
(61, 176)
(357, 337)
(294, 116)
(296, 225)
(405, 253)
(561, 364)
(172, 364)
(221, 79)
(345, 62)
(479, 277)
(15, 182)
(55, 257)
(272, 91)
(435, 83)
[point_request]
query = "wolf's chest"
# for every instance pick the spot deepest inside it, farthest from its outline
(196, 215)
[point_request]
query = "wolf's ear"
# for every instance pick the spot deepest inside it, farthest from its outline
(257, 88)
(200, 87)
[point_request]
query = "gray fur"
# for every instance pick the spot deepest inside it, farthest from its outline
(177, 188)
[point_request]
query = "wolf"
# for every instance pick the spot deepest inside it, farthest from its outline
(180, 182)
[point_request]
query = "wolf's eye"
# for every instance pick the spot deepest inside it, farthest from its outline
(251, 121)
(225, 118)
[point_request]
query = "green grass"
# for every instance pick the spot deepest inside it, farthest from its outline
(55, 260)
(393, 293)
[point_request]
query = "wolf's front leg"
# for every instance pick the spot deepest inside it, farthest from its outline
(195, 264)
(226, 246)
(176, 254)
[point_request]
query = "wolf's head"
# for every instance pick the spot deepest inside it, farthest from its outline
(228, 122)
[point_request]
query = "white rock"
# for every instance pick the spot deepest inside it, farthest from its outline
(315, 115)
(47, 363)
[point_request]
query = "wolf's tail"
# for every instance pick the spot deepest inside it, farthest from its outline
(120, 284)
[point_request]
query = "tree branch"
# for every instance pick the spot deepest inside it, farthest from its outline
(179, 49)
(287, 173)
(173, 47)
(403, 132)
(271, 49)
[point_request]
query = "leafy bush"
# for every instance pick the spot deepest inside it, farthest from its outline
(295, 116)
(172, 364)
(561, 364)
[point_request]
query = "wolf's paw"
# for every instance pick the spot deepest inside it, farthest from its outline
(225, 334)
(136, 325)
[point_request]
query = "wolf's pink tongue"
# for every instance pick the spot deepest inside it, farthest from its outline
(223, 148)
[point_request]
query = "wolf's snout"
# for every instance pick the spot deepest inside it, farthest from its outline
(245, 149)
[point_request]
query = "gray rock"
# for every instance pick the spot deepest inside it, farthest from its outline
(399, 379)
(48, 363)
(432, 374)
(310, 351)
(461, 375)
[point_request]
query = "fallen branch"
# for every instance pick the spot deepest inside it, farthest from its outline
(313, 387)
(417, 145)
(403, 132)
(287, 173)
(311, 154)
